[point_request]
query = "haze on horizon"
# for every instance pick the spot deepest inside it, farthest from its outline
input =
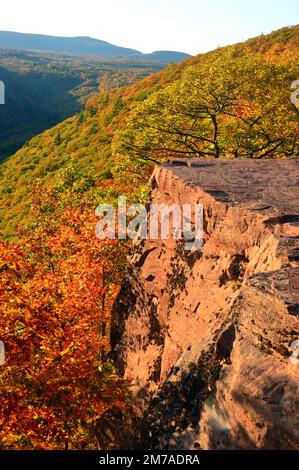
(191, 26)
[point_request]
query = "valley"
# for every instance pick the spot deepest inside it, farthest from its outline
(43, 89)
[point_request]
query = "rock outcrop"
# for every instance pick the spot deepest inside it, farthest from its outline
(209, 338)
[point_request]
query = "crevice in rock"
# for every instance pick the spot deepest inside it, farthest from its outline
(143, 257)
(155, 331)
(225, 344)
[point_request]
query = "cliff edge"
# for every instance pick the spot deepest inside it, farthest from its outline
(209, 338)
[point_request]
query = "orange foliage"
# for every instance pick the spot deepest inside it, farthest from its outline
(56, 294)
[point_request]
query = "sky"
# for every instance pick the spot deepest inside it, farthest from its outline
(191, 26)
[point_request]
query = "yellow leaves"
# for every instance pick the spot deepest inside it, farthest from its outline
(27, 314)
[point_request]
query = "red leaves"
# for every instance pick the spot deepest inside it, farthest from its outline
(56, 295)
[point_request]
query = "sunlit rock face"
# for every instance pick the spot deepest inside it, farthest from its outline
(209, 338)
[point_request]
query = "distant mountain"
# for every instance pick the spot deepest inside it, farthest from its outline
(80, 45)
(165, 56)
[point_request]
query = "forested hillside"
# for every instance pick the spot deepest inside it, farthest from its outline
(244, 89)
(43, 89)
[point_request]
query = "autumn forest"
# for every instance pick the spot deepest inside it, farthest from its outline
(104, 127)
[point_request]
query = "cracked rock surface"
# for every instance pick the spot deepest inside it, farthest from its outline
(207, 337)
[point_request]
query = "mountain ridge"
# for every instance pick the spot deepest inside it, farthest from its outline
(82, 45)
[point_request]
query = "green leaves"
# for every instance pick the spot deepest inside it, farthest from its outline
(226, 106)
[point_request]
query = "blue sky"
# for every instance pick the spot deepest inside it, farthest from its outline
(186, 25)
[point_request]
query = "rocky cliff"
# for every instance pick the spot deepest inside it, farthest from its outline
(209, 338)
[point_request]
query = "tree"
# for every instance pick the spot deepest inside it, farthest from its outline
(56, 297)
(228, 106)
(57, 139)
